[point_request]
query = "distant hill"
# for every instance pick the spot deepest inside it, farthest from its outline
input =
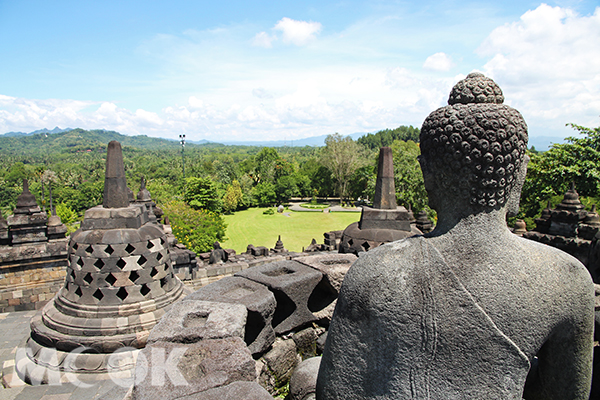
(203, 141)
(76, 141)
(57, 140)
(310, 141)
(543, 143)
(39, 131)
(140, 141)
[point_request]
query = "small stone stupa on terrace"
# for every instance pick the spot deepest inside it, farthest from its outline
(385, 221)
(29, 224)
(144, 197)
(33, 255)
(119, 281)
(569, 227)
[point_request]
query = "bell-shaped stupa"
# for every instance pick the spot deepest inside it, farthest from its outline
(119, 281)
(385, 221)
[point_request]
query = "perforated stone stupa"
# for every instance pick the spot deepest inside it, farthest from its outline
(570, 228)
(33, 255)
(385, 221)
(119, 281)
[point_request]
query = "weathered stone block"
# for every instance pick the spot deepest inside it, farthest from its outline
(306, 342)
(279, 363)
(333, 266)
(321, 342)
(258, 251)
(192, 320)
(97, 212)
(236, 390)
(303, 384)
(397, 219)
(292, 283)
(258, 300)
(192, 368)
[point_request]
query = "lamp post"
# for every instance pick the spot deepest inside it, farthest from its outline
(182, 141)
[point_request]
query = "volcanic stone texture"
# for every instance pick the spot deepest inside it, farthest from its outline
(193, 320)
(258, 300)
(173, 371)
(334, 268)
(292, 283)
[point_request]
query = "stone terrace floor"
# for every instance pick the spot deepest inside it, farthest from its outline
(14, 331)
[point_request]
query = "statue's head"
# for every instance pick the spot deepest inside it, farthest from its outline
(473, 150)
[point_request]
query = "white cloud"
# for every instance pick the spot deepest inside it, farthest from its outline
(261, 93)
(358, 80)
(263, 39)
(147, 118)
(18, 114)
(438, 62)
(312, 102)
(299, 33)
(548, 64)
(195, 102)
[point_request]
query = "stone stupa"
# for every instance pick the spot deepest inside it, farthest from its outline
(144, 197)
(385, 221)
(33, 255)
(119, 281)
(28, 224)
(569, 227)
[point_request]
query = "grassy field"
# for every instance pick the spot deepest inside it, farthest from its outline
(297, 229)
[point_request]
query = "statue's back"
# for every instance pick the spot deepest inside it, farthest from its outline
(465, 312)
(407, 327)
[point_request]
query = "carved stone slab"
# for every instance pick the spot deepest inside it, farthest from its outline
(292, 284)
(258, 300)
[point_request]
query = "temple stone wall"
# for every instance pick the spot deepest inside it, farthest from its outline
(33, 256)
(29, 289)
(29, 285)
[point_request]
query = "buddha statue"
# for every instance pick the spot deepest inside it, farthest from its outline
(469, 310)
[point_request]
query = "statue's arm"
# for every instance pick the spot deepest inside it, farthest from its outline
(564, 365)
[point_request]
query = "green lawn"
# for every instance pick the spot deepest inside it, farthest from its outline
(296, 230)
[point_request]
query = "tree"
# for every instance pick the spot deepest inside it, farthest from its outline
(408, 178)
(49, 177)
(85, 195)
(266, 161)
(225, 170)
(8, 198)
(201, 193)
(386, 137)
(303, 184)
(362, 184)
(17, 172)
(552, 172)
(322, 181)
(162, 190)
(196, 229)
(233, 198)
(264, 194)
(342, 156)
(285, 188)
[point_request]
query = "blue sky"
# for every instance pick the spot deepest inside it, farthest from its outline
(235, 70)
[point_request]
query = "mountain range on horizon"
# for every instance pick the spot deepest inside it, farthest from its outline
(310, 141)
(39, 131)
(541, 143)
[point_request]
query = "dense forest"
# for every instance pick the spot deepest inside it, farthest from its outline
(198, 184)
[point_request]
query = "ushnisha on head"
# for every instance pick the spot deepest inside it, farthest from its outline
(474, 148)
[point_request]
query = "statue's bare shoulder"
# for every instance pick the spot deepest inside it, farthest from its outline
(556, 265)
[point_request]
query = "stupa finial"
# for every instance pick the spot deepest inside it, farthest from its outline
(115, 185)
